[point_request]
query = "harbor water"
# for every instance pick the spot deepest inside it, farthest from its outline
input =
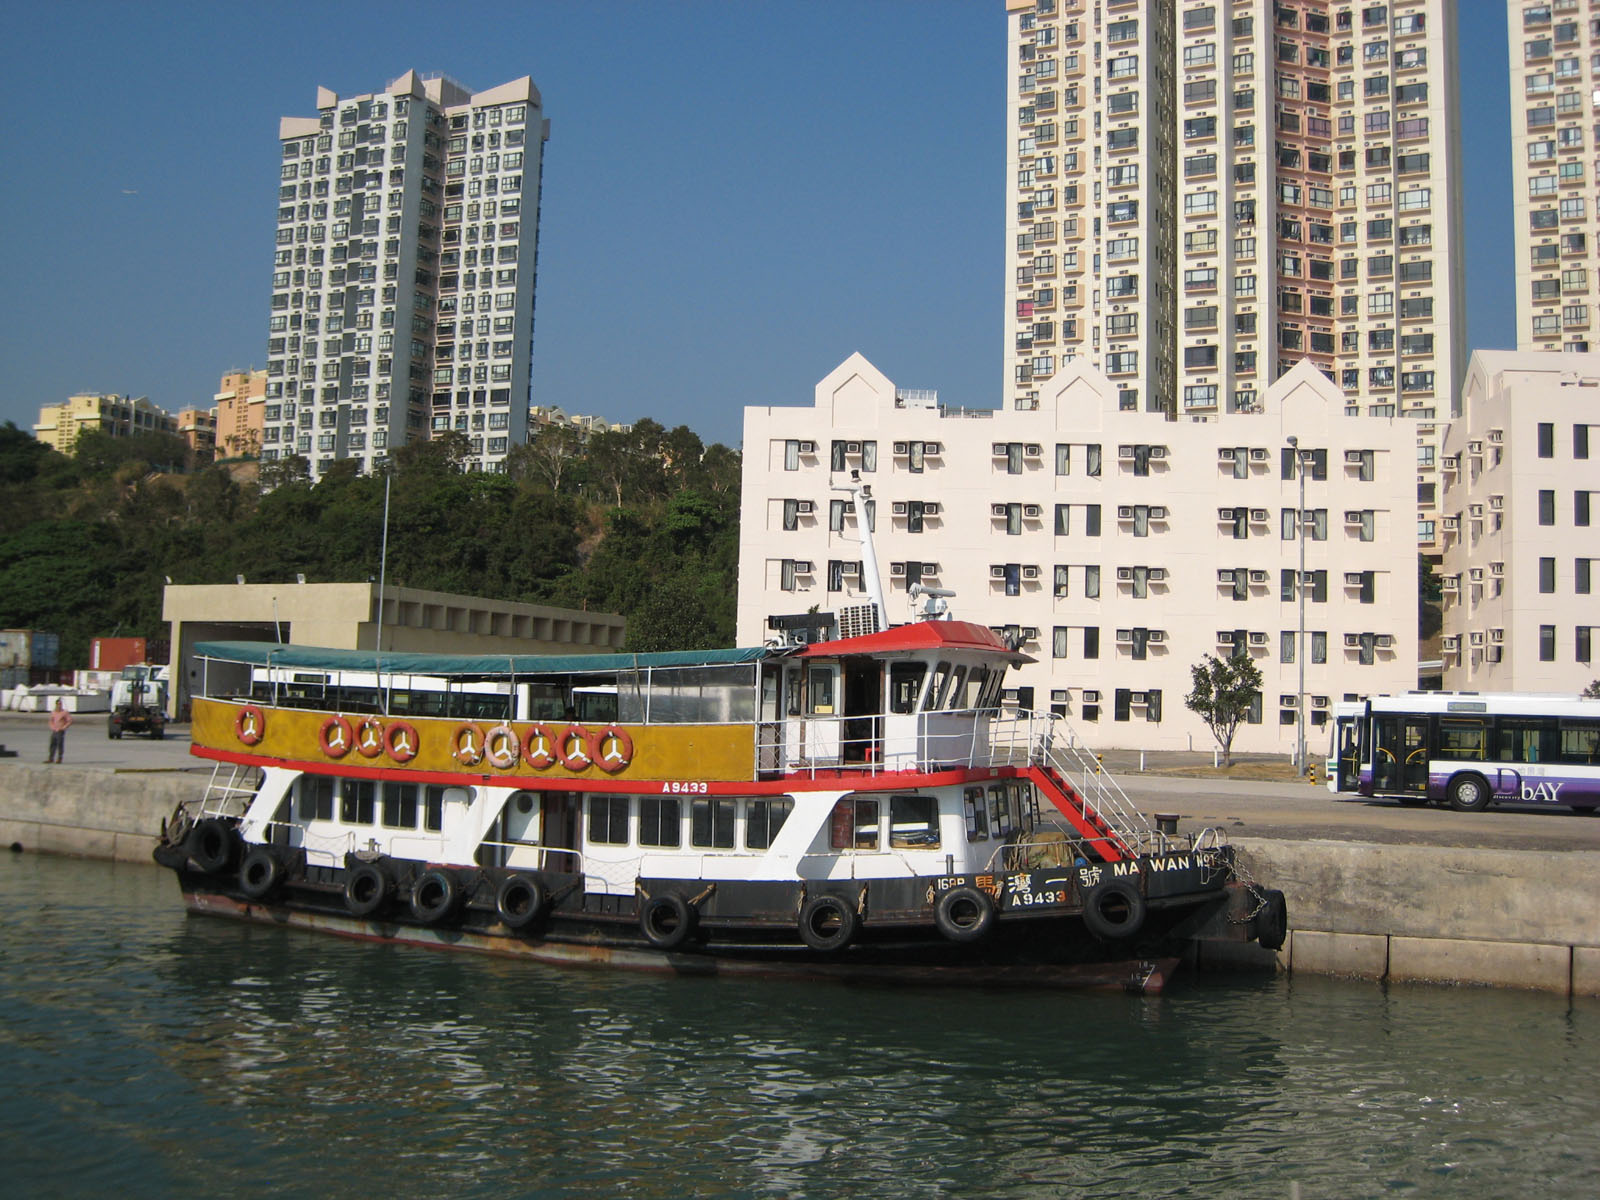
(152, 1054)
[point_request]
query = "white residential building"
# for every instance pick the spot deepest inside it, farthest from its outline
(403, 282)
(1116, 553)
(1522, 524)
(1554, 49)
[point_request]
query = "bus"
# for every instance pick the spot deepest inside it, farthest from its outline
(1469, 750)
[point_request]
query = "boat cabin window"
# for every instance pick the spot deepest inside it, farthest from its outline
(905, 685)
(821, 685)
(690, 695)
(976, 809)
(711, 823)
(913, 822)
(977, 687)
(608, 820)
(400, 805)
(660, 821)
(357, 801)
(936, 689)
(595, 705)
(958, 685)
(763, 819)
(315, 794)
(854, 825)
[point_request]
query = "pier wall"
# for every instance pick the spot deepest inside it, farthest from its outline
(1507, 918)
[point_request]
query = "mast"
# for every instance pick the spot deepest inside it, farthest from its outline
(860, 494)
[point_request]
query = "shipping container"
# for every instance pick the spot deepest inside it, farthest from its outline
(114, 653)
(29, 648)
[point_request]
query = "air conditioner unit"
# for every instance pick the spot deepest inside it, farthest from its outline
(1124, 512)
(1497, 435)
(808, 447)
(1033, 450)
(1451, 462)
(1091, 696)
(1286, 700)
(1319, 702)
(1452, 523)
(1476, 574)
(931, 448)
(1000, 450)
(1158, 512)
(1384, 641)
(1492, 654)
(1497, 569)
(901, 449)
(998, 510)
(1259, 455)
(1475, 511)
(1258, 516)
(1157, 574)
(1452, 643)
(1475, 638)
(1352, 579)
(997, 571)
(804, 506)
(1224, 514)
(1352, 640)
(852, 447)
(1139, 698)
(1124, 573)
(1157, 635)
(1030, 633)
(929, 568)
(1474, 447)
(1031, 511)
(899, 508)
(1124, 635)
(897, 570)
(1497, 503)
(1352, 458)
(1225, 454)
(930, 508)
(1497, 635)
(1451, 583)
(847, 568)
(1353, 517)
(1258, 576)
(1308, 578)
(1224, 637)
(1258, 639)
(1124, 451)
(1158, 451)
(1224, 575)
(802, 566)
(1030, 572)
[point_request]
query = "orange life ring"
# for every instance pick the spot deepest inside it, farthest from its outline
(578, 759)
(502, 747)
(467, 752)
(342, 737)
(401, 741)
(620, 754)
(369, 737)
(536, 747)
(250, 726)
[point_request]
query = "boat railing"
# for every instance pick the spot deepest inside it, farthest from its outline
(550, 858)
(231, 789)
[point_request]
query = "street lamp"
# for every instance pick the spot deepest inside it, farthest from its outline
(1300, 594)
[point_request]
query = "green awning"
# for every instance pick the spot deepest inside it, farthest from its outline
(401, 662)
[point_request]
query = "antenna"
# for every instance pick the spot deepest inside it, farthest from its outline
(860, 494)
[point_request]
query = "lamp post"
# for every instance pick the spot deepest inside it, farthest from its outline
(1300, 595)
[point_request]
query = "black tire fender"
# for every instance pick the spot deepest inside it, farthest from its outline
(965, 914)
(667, 921)
(1114, 909)
(260, 873)
(366, 889)
(1272, 920)
(434, 895)
(212, 846)
(828, 923)
(520, 900)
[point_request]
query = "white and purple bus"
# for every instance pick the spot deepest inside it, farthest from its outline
(1469, 750)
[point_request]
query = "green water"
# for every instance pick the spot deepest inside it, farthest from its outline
(147, 1053)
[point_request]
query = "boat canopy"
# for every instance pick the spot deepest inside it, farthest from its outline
(923, 635)
(401, 662)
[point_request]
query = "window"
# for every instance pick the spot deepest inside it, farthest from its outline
(1547, 506)
(711, 823)
(1547, 643)
(854, 824)
(763, 819)
(913, 822)
(608, 820)
(1547, 439)
(1547, 575)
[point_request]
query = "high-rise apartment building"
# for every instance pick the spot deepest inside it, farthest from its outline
(240, 404)
(59, 425)
(1554, 72)
(403, 281)
(1203, 194)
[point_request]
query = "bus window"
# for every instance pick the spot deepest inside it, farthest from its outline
(1580, 742)
(1526, 740)
(905, 685)
(1462, 739)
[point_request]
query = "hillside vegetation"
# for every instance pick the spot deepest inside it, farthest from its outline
(644, 523)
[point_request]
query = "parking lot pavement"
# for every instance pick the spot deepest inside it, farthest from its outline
(88, 746)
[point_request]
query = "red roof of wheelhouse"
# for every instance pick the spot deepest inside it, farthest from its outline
(923, 635)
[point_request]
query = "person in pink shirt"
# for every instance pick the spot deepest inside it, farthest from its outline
(60, 718)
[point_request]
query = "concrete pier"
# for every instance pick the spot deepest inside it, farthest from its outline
(1374, 891)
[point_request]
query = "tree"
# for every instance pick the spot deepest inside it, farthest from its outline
(1592, 692)
(1430, 599)
(1224, 691)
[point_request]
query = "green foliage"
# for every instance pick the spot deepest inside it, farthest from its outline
(1592, 692)
(1224, 691)
(1430, 598)
(644, 523)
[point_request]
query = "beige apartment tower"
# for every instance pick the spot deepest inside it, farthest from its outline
(1202, 194)
(1553, 46)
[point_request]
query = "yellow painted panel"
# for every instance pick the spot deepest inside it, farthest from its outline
(715, 753)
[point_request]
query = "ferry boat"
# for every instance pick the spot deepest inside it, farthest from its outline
(858, 805)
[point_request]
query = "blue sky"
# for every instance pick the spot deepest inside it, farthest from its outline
(736, 196)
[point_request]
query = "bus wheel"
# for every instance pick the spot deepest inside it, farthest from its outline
(1469, 793)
